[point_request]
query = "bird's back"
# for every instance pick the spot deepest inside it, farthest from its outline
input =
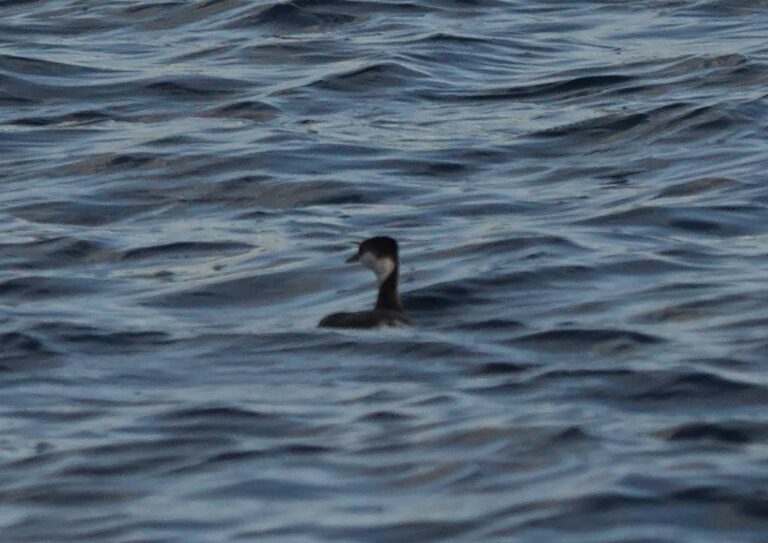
(364, 319)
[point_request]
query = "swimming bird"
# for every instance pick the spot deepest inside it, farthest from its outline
(379, 254)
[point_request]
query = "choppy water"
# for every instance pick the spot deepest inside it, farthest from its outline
(579, 189)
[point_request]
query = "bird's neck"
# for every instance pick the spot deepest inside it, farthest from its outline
(389, 299)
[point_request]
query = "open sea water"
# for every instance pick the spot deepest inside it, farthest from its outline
(580, 191)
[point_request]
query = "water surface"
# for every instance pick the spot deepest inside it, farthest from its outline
(580, 195)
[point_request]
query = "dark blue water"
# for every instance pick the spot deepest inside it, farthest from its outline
(580, 194)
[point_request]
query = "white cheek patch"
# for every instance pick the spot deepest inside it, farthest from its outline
(382, 267)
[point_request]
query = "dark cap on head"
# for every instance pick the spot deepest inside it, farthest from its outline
(380, 246)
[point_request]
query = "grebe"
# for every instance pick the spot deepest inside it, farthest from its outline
(380, 255)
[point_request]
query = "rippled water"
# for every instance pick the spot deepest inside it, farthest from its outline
(579, 190)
